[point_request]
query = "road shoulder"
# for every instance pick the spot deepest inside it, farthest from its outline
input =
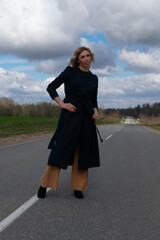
(15, 139)
(151, 129)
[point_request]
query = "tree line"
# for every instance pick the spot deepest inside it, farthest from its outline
(42, 109)
(144, 109)
(48, 109)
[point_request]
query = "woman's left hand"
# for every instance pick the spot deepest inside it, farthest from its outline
(95, 116)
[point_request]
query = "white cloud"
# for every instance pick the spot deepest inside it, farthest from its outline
(141, 61)
(41, 29)
(107, 71)
(20, 87)
(126, 21)
(126, 91)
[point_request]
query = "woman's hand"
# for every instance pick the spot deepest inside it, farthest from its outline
(70, 107)
(95, 116)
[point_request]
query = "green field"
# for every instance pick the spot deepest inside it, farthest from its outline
(11, 126)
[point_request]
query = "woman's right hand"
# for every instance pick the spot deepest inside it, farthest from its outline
(70, 107)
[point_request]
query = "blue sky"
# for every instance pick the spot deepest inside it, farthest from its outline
(39, 37)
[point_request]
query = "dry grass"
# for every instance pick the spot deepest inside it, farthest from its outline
(109, 119)
(149, 120)
(152, 122)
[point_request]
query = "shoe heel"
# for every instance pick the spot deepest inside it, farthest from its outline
(41, 192)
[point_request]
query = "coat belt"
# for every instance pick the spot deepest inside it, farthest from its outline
(87, 103)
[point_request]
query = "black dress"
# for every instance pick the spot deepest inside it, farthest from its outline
(80, 90)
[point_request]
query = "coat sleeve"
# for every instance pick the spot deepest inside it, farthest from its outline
(94, 95)
(51, 89)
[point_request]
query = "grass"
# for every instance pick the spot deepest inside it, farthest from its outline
(12, 126)
(152, 122)
(155, 127)
(108, 120)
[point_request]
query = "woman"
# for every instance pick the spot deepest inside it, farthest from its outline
(75, 140)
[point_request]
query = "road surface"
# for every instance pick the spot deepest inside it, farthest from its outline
(122, 202)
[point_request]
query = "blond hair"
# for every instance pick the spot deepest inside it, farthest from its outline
(74, 60)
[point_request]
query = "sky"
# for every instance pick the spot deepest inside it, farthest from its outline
(38, 38)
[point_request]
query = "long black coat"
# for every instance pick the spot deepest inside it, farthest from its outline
(75, 127)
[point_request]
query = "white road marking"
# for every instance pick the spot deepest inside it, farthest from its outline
(108, 137)
(16, 144)
(18, 212)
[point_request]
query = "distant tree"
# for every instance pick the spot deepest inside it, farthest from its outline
(137, 110)
(6, 106)
(17, 110)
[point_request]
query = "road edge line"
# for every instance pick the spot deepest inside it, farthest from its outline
(18, 212)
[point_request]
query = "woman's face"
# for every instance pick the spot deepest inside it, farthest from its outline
(84, 60)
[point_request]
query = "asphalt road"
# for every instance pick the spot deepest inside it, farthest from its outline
(122, 202)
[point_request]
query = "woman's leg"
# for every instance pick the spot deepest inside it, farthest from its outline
(51, 177)
(79, 178)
